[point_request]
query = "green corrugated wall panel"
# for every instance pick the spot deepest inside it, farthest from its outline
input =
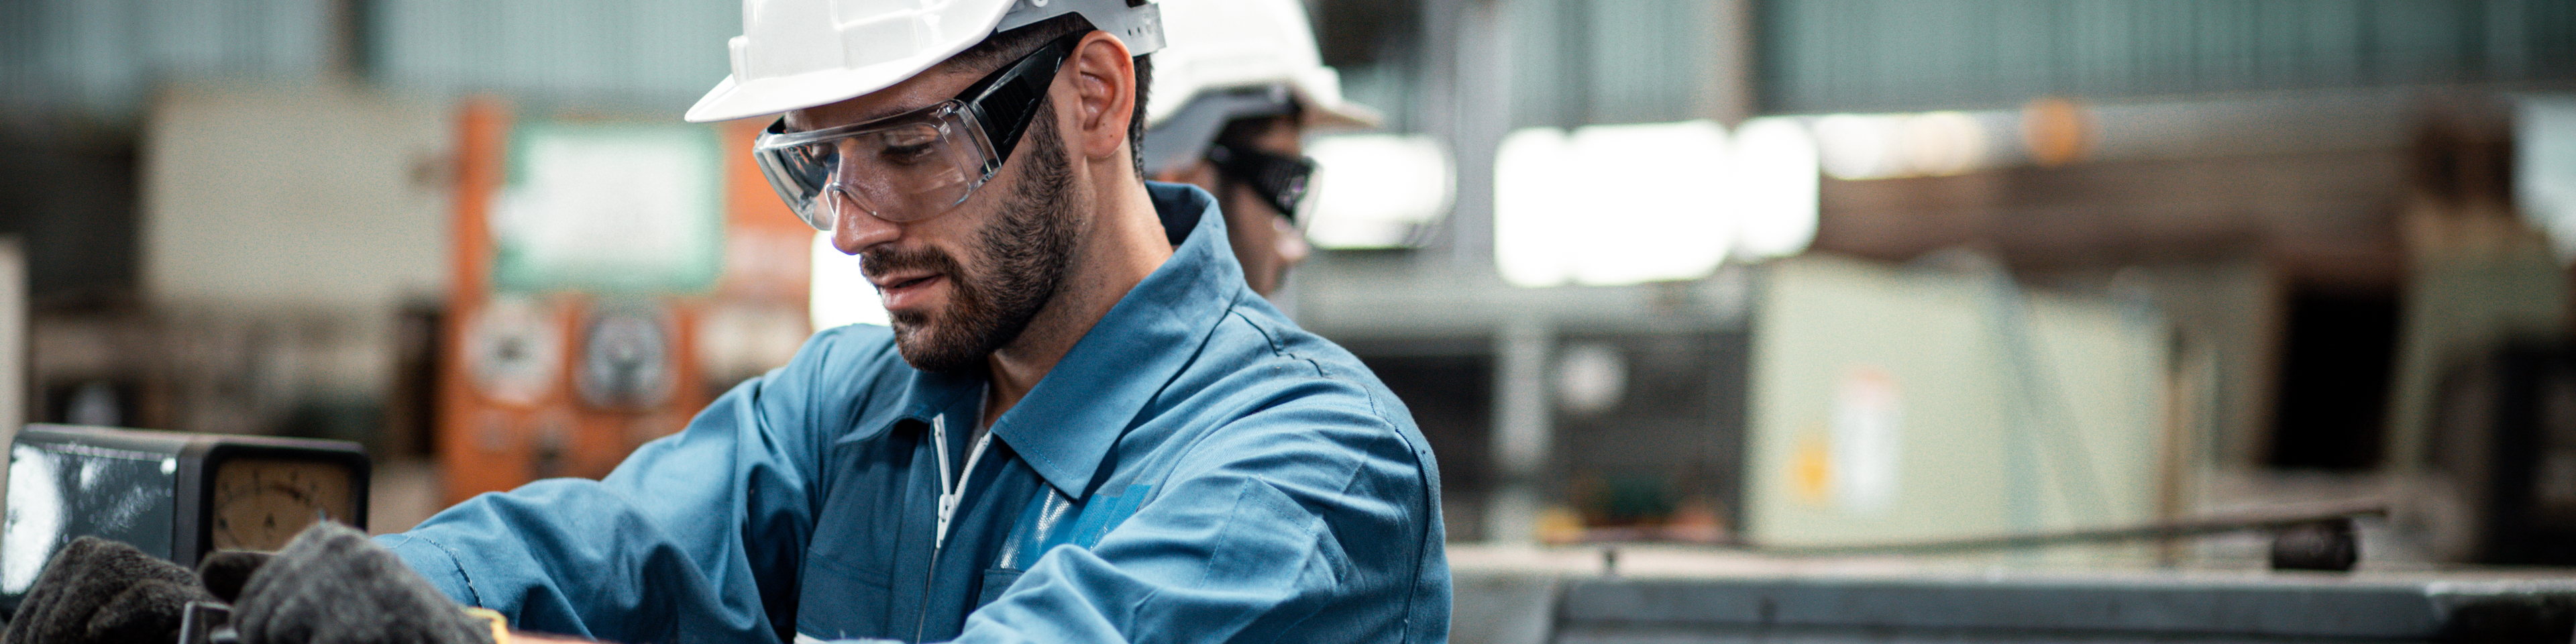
(1904, 55)
(102, 58)
(652, 56)
(1576, 62)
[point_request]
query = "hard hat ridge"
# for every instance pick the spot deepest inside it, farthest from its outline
(1137, 23)
(795, 54)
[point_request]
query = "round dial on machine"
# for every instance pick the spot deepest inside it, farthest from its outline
(260, 503)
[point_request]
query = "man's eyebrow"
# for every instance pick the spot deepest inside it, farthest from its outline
(870, 117)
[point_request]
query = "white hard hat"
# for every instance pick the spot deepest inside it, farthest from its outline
(795, 54)
(1231, 59)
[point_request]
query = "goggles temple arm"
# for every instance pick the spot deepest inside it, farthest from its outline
(1006, 102)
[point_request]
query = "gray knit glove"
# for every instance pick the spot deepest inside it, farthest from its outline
(333, 585)
(96, 591)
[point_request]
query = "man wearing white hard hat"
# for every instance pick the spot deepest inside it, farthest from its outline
(1235, 91)
(1082, 425)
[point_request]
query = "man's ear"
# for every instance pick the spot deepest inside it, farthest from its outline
(1104, 93)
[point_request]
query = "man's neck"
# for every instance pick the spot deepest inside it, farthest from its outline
(1124, 244)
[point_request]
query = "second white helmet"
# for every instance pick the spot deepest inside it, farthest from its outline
(1231, 59)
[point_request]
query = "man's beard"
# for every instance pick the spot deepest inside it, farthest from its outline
(1024, 251)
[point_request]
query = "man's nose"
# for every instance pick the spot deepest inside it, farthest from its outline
(854, 229)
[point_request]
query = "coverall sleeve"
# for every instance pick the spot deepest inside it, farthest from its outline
(1298, 525)
(697, 534)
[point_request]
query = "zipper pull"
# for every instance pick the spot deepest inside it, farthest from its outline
(947, 486)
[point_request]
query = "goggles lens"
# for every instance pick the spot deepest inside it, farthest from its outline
(907, 168)
(1282, 181)
(916, 165)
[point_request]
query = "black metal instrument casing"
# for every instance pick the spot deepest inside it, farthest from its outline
(154, 490)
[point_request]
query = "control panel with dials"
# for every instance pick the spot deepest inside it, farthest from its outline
(174, 495)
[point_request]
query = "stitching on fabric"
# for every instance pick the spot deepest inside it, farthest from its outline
(453, 561)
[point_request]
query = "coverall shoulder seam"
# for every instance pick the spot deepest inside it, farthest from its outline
(473, 595)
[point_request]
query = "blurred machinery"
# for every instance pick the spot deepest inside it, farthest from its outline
(609, 279)
(1926, 403)
(2506, 457)
(1810, 401)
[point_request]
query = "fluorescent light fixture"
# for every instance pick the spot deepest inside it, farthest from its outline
(1612, 204)
(1374, 190)
(1885, 146)
(1774, 199)
(1860, 146)
(1943, 144)
(1531, 187)
(841, 295)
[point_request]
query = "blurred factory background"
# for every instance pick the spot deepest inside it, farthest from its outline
(1782, 273)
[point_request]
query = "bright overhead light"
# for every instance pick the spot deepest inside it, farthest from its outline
(1611, 204)
(1855, 147)
(1623, 204)
(1860, 146)
(1774, 199)
(1943, 144)
(1375, 190)
(1532, 196)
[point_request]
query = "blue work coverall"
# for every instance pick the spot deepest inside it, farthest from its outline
(1196, 469)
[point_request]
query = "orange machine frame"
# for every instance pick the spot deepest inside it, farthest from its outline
(488, 444)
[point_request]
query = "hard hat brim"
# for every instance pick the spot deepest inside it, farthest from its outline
(1342, 115)
(1184, 131)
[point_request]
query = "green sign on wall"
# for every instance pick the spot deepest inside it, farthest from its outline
(609, 208)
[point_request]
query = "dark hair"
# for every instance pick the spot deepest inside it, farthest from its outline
(1004, 47)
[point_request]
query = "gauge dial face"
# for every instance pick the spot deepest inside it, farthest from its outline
(261, 503)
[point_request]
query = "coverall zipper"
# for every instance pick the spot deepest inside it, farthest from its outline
(952, 492)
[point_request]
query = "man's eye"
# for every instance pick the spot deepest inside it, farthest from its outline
(905, 154)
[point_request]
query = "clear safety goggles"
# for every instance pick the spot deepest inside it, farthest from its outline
(916, 165)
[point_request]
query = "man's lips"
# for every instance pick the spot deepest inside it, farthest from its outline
(907, 291)
(901, 282)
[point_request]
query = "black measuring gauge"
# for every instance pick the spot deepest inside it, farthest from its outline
(174, 495)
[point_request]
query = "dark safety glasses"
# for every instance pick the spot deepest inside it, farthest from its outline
(916, 165)
(1282, 181)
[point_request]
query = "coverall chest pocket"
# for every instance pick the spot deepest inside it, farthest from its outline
(838, 600)
(847, 586)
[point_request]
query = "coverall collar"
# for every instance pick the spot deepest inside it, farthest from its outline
(1065, 426)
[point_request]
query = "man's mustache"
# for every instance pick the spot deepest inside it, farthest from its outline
(929, 260)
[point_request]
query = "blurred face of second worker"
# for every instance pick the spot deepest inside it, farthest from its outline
(1265, 241)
